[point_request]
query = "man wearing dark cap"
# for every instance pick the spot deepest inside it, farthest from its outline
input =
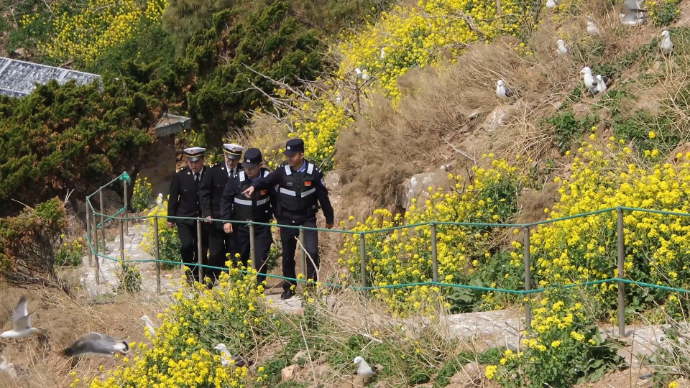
(210, 193)
(184, 202)
(258, 208)
(300, 189)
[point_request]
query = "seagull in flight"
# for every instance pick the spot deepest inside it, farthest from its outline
(95, 344)
(22, 321)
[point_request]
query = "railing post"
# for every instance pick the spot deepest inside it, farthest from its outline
(252, 247)
(621, 267)
(199, 251)
(303, 254)
(88, 230)
(100, 197)
(96, 242)
(363, 259)
(124, 214)
(122, 241)
(157, 252)
(434, 253)
(528, 280)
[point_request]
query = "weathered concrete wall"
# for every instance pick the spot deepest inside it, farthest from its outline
(161, 166)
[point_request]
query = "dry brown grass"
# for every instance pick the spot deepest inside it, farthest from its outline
(66, 319)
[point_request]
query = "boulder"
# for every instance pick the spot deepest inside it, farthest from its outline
(498, 118)
(289, 372)
(681, 149)
(417, 186)
(471, 375)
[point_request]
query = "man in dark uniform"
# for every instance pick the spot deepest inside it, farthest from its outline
(210, 193)
(184, 202)
(300, 187)
(258, 208)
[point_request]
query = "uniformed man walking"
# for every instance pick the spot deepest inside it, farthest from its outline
(258, 208)
(184, 202)
(300, 187)
(210, 193)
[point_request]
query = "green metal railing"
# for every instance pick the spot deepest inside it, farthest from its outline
(93, 238)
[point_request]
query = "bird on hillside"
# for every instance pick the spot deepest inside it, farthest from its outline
(666, 45)
(631, 19)
(589, 80)
(95, 344)
(383, 53)
(601, 85)
(591, 26)
(633, 7)
(21, 320)
(227, 359)
(159, 200)
(551, 4)
(364, 369)
(502, 90)
(149, 325)
(562, 48)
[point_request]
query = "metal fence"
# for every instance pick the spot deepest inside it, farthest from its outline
(93, 237)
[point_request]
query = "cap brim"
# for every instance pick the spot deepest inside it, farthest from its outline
(193, 158)
(249, 165)
(232, 156)
(289, 153)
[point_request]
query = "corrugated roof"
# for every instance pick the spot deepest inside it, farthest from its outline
(19, 78)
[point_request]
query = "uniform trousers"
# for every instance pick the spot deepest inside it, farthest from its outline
(288, 238)
(221, 248)
(263, 239)
(189, 246)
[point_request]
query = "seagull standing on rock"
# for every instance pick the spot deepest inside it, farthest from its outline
(666, 45)
(551, 4)
(562, 48)
(364, 369)
(22, 321)
(502, 91)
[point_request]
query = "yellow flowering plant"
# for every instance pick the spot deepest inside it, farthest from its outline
(182, 352)
(562, 348)
(168, 239)
(404, 256)
(141, 195)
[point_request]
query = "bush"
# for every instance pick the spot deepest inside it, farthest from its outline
(404, 256)
(30, 242)
(73, 137)
(141, 197)
(168, 241)
(70, 254)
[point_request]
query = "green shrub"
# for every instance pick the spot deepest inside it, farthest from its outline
(141, 197)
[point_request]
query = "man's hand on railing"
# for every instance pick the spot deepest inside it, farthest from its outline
(278, 230)
(227, 227)
(208, 219)
(170, 224)
(329, 226)
(248, 193)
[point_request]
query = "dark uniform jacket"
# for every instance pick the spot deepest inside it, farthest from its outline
(299, 194)
(212, 185)
(235, 206)
(184, 196)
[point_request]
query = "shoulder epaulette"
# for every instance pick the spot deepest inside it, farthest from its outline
(180, 169)
(216, 164)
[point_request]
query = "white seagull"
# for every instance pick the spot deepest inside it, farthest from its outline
(159, 200)
(358, 71)
(551, 4)
(95, 344)
(149, 325)
(383, 53)
(502, 91)
(365, 75)
(562, 48)
(363, 368)
(601, 85)
(631, 19)
(666, 45)
(22, 321)
(591, 26)
(588, 78)
(227, 359)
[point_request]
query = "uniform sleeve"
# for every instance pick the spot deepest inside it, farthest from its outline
(173, 200)
(205, 189)
(268, 182)
(324, 201)
(228, 198)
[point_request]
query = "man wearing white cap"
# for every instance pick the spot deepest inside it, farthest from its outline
(184, 202)
(210, 193)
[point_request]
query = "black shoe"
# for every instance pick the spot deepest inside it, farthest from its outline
(287, 294)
